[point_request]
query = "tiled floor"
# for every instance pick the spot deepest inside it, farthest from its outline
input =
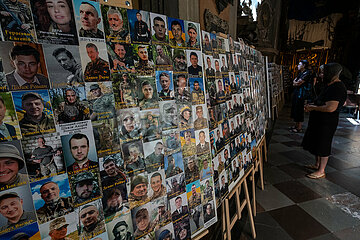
(293, 206)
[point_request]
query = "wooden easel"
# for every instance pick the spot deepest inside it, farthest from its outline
(227, 223)
(200, 235)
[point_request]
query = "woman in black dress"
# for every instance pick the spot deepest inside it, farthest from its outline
(324, 118)
(301, 84)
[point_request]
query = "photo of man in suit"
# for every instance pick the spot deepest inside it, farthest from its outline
(180, 211)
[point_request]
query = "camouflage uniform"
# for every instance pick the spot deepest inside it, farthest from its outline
(90, 33)
(54, 210)
(86, 235)
(73, 112)
(27, 126)
(173, 43)
(194, 200)
(97, 70)
(104, 105)
(144, 68)
(160, 193)
(153, 162)
(189, 149)
(200, 123)
(86, 177)
(197, 97)
(122, 34)
(149, 103)
(137, 201)
(150, 228)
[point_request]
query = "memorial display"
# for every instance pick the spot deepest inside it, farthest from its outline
(117, 122)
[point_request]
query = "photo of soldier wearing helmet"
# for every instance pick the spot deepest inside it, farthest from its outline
(125, 90)
(185, 118)
(179, 61)
(41, 156)
(175, 185)
(138, 191)
(85, 187)
(129, 120)
(168, 110)
(150, 124)
(55, 198)
(12, 164)
(69, 104)
(116, 24)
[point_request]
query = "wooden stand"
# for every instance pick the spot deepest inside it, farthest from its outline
(201, 234)
(227, 223)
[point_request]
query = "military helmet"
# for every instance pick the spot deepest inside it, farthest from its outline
(84, 176)
(178, 53)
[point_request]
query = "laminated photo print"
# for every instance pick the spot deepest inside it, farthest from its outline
(94, 61)
(224, 186)
(8, 118)
(89, 229)
(182, 89)
(210, 91)
(88, 20)
(147, 95)
(173, 164)
(139, 23)
(54, 22)
(205, 166)
(68, 222)
(220, 91)
(182, 228)
(3, 83)
(188, 142)
(192, 172)
(17, 21)
(125, 90)
(157, 185)
(64, 65)
(210, 215)
(85, 187)
(209, 66)
(154, 156)
(223, 64)
(14, 54)
(119, 226)
(139, 190)
(176, 33)
(159, 28)
(207, 190)
(171, 141)
(45, 191)
(165, 232)
(219, 141)
(197, 90)
(212, 118)
(133, 155)
(225, 130)
(232, 83)
(107, 137)
(112, 172)
(14, 173)
(164, 85)
(175, 186)
(213, 149)
(218, 74)
(200, 116)
(101, 100)
(202, 141)
(121, 57)
(196, 219)
(226, 45)
(116, 25)
(221, 44)
(206, 42)
(129, 120)
(185, 116)
(162, 57)
(227, 88)
(230, 109)
(150, 124)
(79, 151)
(143, 58)
(230, 61)
(179, 60)
(231, 44)
(235, 63)
(195, 63)
(34, 112)
(69, 104)
(192, 34)
(31, 231)
(43, 155)
(193, 194)
(168, 114)
(20, 202)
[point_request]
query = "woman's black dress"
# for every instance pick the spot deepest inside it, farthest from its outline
(297, 107)
(322, 125)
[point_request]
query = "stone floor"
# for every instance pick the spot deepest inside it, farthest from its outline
(293, 206)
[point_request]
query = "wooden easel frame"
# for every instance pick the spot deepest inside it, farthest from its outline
(227, 223)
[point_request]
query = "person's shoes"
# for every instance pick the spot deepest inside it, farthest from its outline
(312, 166)
(314, 176)
(295, 130)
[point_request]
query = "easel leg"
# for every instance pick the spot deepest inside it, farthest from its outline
(253, 192)
(223, 221)
(261, 173)
(228, 222)
(249, 209)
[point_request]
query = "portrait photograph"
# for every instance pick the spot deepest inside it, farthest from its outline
(56, 226)
(19, 200)
(125, 90)
(45, 191)
(200, 117)
(159, 28)
(173, 164)
(147, 95)
(154, 155)
(205, 166)
(34, 112)
(8, 118)
(176, 185)
(43, 155)
(179, 60)
(206, 42)
(164, 85)
(192, 172)
(171, 141)
(197, 90)
(176, 33)
(195, 63)
(188, 145)
(182, 89)
(129, 120)
(209, 66)
(69, 104)
(210, 215)
(165, 232)
(213, 42)
(133, 155)
(193, 194)
(150, 124)
(185, 116)
(182, 228)
(107, 136)
(64, 65)
(157, 188)
(18, 77)
(207, 190)
(139, 23)
(162, 57)
(16, 31)
(202, 141)
(121, 57)
(117, 226)
(88, 20)
(143, 59)
(94, 61)
(196, 219)
(54, 22)
(14, 171)
(112, 171)
(116, 25)
(192, 35)
(168, 115)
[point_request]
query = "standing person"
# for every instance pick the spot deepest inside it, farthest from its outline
(300, 83)
(43, 155)
(324, 118)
